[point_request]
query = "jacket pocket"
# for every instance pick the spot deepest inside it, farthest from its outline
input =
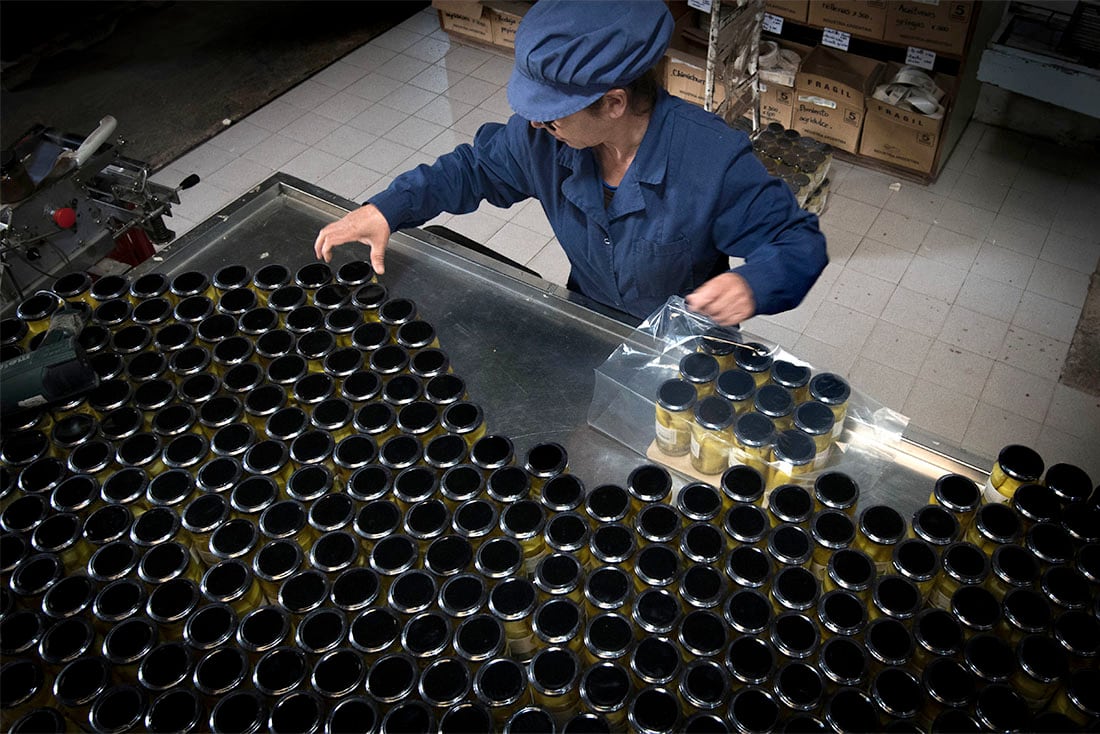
(658, 269)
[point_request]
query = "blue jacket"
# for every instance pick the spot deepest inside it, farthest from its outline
(693, 196)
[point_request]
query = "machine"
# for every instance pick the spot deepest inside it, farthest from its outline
(67, 202)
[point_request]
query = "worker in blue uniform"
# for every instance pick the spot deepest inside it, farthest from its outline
(648, 195)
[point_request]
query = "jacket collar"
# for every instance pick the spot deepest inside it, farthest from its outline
(649, 167)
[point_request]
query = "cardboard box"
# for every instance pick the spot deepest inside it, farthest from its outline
(864, 18)
(831, 90)
(685, 67)
(796, 10)
(940, 27)
(465, 18)
(504, 18)
(900, 136)
(777, 100)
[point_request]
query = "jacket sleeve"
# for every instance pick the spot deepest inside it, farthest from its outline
(760, 220)
(493, 169)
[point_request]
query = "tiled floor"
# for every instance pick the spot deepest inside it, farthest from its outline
(953, 303)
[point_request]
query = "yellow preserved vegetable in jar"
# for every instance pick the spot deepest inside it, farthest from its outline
(756, 359)
(816, 420)
(700, 370)
(794, 377)
(792, 457)
(718, 343)
(711, 437)
(738, 387)
(834, 391)
(675, 401)
(753, 436)
(776, 403)
(1016, 465)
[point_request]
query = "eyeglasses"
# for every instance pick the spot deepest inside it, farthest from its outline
(551, 125)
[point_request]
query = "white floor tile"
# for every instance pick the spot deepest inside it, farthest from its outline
(339, 75)
(369, 56)
(417, 158)
(241, 137)
(373, 87)
(444, 111)
(1074, 412)
(378, 119)
(1003, 265)
(402, 67)
(1078, 253)
(415, 133)
(275, 151)
(988, 297)
(956, 369)
(770, 331)
(992, 166)
(840, 326)
(472, 121)
(429, 50)
(408, 98)
(345, 142)
(885, 384)
(531, 216)
(992, 428)
(1040, 180)
(477, 226)
(933, 279)
(1036, 353)
(422, 23)
(307, 95)
(435, 78)
(1017, 235)
(916, 312)
(824, 357)
(870, 187)
(861, 292)
(880, 260)
(1018, 391)
(309, 128)
(839, 242)
(204, 160)
(1046, 316)
(471, 90)
(898, 230)
(1035, 207)
(979, 191)
(312, 165)
(464, 59)
(516, 242)
(974, 331)
(201, 201)
(900, 348)
(1062, 284)
(496, 71)
(965, 218)
(382, 155)
(446, 142)
(849, 214)
(916, 201)
(239, 175)
(342, 107)
(397, 39)
(348, 180)
(551, 263)
(950, 248)
(1005, 144)
(945, 413)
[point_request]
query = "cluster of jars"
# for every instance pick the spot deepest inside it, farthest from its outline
(800, 161)
(212, 544)
(737, 404)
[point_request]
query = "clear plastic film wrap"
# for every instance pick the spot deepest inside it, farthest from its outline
(861, 441)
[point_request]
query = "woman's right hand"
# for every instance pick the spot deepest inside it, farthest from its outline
(367, 225)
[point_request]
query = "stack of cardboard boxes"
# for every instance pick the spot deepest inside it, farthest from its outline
(830, 98)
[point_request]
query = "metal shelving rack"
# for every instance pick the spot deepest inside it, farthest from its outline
(733, 52)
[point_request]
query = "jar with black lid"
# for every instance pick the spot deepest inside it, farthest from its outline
(738, 387)
(1016, 465)
(753, 436)
(699, 370)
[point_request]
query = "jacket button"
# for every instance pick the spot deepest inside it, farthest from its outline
(606, 240)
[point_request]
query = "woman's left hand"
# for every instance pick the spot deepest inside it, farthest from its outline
(727, 299)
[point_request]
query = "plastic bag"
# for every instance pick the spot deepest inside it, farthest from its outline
(624, 403)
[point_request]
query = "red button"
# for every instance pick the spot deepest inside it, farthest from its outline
(65, 217)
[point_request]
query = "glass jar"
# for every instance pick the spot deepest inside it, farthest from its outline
(756, 359)
(753, 436)
(711, 438)
(1016, 465)
(738, 387)
(879, 529)
(994, 525)
(834, 391)
(675, 401)
(793, 377)
(837, 491)
(816, 420)
(964, 564)
(831, 531)
(699, 370)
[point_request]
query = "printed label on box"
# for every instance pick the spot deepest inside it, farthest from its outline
(921, 57)
(773, 24)
(836, 39)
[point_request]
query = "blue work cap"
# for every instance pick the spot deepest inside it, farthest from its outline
(570, 52)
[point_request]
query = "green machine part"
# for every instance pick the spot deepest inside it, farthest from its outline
(57, 371)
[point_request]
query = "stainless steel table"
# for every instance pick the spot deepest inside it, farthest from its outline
(527, 349)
